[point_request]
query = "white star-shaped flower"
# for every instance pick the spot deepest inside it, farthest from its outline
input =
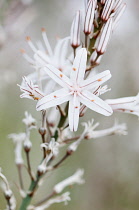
(75, 89)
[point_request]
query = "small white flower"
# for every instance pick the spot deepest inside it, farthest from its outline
(58, 57)
(90, 132)
(89, 17)
(30, 90)
(75, 31)
(127, 104)
(51, 147)
(29, 121)
(75, 90)
(18, 141)
(76, 178)
(8, 192)
(58, 199)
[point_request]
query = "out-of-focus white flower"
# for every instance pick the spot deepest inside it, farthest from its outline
(57, 58)
(58, 199)
(51, 147)
(29, 121)
(89, 17)
(117, 5)
(30, 90)
(18, 141)
(90, 132)
(76, 178)
(107, 9)
(117, 14)
(8, 192)
(75, 90)
(74, 146)
(75, 31)
(127, 104)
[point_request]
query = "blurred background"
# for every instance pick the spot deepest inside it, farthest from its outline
(111, 164)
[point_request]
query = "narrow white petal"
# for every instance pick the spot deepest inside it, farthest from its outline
(53, 99)
(118, 102)
(79, 66)
(73, 113)
(95, 103)
(47, 44)
(96, 80)
(58, 76)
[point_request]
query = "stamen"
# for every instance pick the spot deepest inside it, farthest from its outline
(74, 69)
(99, 80)
(61, 75)
(28, 39)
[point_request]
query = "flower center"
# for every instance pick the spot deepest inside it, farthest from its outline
(75, 89)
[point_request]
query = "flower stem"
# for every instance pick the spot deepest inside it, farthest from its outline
(26, 201)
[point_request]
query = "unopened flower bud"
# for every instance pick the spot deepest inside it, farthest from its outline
(8, 194)
(104, 37)
(89, 17)
(75, 31)
(107, 9)
(27, 145)
(42, 131)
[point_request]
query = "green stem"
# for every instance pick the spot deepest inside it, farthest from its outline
(26, 201)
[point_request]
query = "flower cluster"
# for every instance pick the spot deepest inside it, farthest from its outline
(65, 83)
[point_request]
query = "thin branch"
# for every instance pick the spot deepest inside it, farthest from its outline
(19, 167)
(45, 199)
(61, 161)
(29, 165)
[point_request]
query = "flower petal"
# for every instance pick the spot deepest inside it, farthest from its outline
(58, 76)
(95, 103)
(79, 66)
(53, 99)
(73, 113)
(96, 80)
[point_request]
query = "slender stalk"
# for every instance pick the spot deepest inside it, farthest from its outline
(9, 205)
(29, 166)
(45, 199)
(42, 131)
(86, 41)
(62, 159)
(19, 168)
